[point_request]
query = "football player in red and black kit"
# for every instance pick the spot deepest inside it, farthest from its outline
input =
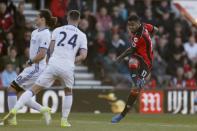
(140, 61)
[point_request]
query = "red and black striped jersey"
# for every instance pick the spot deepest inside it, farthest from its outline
(142, 43)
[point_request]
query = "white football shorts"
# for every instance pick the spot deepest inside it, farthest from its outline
(28, 76)
(51, 73)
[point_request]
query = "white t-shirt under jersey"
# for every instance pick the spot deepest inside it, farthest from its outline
(68, 41)
(40, 38)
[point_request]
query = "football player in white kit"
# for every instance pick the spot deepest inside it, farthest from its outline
(66, 42)
(40, 40)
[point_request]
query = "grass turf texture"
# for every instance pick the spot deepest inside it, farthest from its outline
(101, 122)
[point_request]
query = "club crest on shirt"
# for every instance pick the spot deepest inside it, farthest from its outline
(133, 44)
(135, 39)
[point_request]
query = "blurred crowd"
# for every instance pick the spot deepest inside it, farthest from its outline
(104, 22)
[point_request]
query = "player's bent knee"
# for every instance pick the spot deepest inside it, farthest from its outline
(11, 89)
(133, 63)
(36, 89)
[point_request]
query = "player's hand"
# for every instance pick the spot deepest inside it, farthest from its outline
(29, 63)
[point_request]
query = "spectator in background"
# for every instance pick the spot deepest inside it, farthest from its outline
(159, 70)
(88, 15)
(24, 58)
(108, 4)
(112, 69)
(85, 27)
(101, 44)
(6, 22)
(116, 18)
(166, 21)
(104, 22)
(29, 25)
(75, 4)
(148, 17)
(143, 5)
(11, 7)
(9, 42)
(100, 48)
(8, 75)
(117, 44)
(176, 55)
(162, 47)
(190, 80)
(161, 31)
(162, 8)
(59, 10)
(90, 32)
(13, 59)
(6, 19)
(178, 32)
(19, 28)
(19, 18)
(193, 31)
(178, 81)
(185, 26)
(123, 11)
(131, 5)
(191, 49)
(27, 38)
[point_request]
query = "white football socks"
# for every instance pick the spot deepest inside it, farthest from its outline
(24, 98)
(12, 99)
(66, 106)
(34, 105)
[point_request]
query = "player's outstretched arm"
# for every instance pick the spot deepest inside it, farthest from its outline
(82, 55)
(128, 51)
(50, 50)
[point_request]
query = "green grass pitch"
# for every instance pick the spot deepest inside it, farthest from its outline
(101, 122)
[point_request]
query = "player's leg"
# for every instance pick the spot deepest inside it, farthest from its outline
(26, 96)
(134, 66)
(15, 91)
(67, 78)
(25, 81)
(12, 92)
(66, 107)
(45, 79)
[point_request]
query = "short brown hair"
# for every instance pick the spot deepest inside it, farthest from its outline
(74, 15)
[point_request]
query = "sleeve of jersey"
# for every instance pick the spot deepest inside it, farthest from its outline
(83, 43)
(45, 41)
(149, 27)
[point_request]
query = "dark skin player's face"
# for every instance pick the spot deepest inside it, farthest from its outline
(133, 26)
